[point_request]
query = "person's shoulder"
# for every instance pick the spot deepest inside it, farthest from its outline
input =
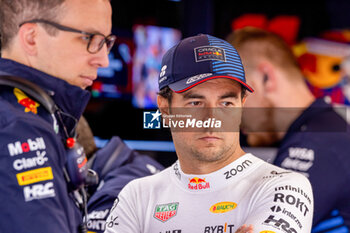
(155, 181)
(156, 178)
(8, 112)
(271, 174)
(12, 108)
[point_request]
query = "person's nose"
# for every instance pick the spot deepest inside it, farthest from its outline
(101, 57)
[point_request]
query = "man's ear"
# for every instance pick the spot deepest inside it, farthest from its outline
(27, 35)
(244, 98)
(268, 78)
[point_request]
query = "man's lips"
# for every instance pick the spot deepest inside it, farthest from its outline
(88, 79)
(209, 138)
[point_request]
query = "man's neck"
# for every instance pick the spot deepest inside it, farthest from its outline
(296, 101)
(190, 165)
(16, 56)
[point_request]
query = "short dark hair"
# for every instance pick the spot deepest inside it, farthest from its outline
(15, 12)
(167, 93)
(253, 43)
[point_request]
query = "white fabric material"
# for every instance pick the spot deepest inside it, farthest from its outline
(247, 191)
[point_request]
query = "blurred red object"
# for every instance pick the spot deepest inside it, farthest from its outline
(284, 25)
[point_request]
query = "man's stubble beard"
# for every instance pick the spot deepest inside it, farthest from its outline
(212, 154)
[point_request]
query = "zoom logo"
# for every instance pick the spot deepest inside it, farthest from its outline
(234, 171)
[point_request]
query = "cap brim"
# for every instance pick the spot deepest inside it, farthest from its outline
(181, 85)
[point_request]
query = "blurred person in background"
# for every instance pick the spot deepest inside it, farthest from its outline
(312, 138)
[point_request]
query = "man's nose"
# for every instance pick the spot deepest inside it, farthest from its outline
(101, 57)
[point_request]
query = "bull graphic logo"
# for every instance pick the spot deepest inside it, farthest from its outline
(198, 183)
(29, 104)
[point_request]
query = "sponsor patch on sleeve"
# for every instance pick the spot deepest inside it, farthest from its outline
(34, 176)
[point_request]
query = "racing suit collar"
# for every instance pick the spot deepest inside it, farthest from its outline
(69, 98)
(218, 179)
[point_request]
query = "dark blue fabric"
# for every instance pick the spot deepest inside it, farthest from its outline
(28, 142)
(318, 145)
(127, 166)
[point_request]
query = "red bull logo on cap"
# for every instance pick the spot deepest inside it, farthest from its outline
(29, 104)
(196, 183)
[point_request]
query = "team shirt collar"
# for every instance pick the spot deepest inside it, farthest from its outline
(216, 180)
(69, 98)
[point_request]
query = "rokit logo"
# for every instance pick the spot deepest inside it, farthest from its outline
(219, 228)
(38, 191)
(280, 224)
(291, 200)
(294, 189)
(97, 220)
(25, 163)
(30, 145)
(234, 171)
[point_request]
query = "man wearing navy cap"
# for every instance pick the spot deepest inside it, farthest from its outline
(214, 186)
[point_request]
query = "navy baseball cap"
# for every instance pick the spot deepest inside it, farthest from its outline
(197, 59)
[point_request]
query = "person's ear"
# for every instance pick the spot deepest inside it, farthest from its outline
(244, 98)
(268, 78)
(163, 105)
(28, 38)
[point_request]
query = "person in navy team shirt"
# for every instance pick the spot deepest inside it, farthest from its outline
(57, 45)
(314, 138)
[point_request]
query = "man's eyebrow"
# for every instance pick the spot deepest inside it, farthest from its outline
(190, 95)
(93, 31)
(229, 95)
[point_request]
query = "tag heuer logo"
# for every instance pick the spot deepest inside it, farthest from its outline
(164, 212)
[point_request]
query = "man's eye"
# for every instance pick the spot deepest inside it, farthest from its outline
(227, 103)
(194, 103)
(85, 38)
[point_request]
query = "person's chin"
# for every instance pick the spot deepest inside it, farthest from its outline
(86, 81)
